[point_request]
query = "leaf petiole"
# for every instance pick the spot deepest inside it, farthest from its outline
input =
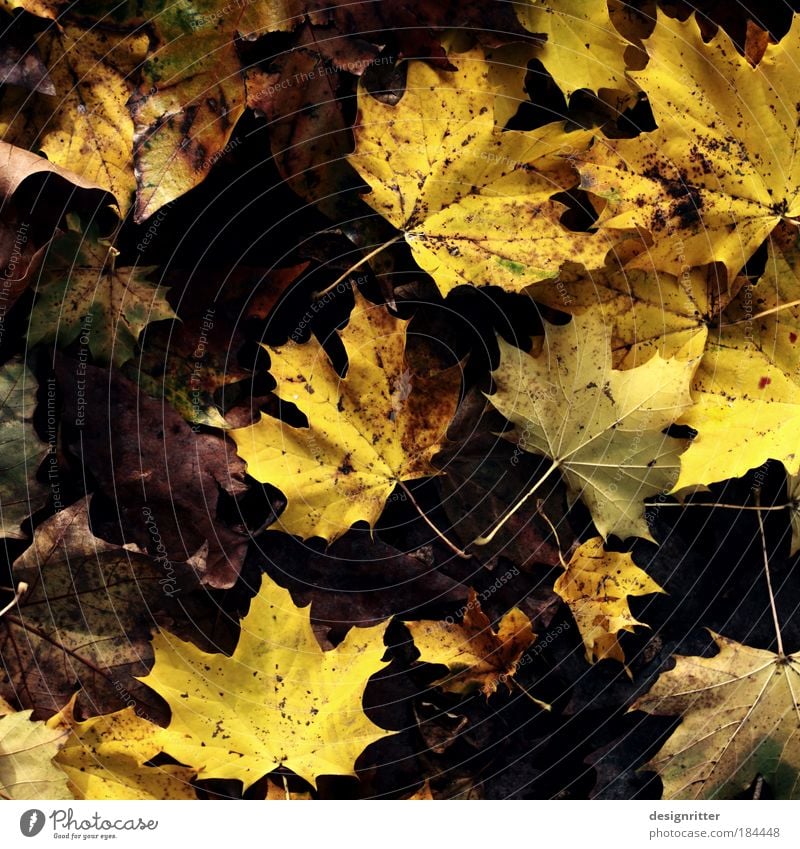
(484, 540)
(543, 705)
(714, 505)
(772, 605)
(452, 546)
(362, 261)
(22, 588)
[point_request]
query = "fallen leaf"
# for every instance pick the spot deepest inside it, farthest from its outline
(645, 312)
(739, 720)
(27, 750)
(193, 92)
(167, 478)
(266, 713)
(483, 474)
(602, 428)
(378, 426)
(508, 69)
(746, 390)
(583, 47)
(596, 585)
(756, 42)
(477, 655)
(357, 581)
(86, 127)
(21, 449)
(105, 758)
(21, 64)
(186, 363)
(474, 204)
(82, 295)
(720, 172)
(27, 224)
(308, 134)
(87, 616)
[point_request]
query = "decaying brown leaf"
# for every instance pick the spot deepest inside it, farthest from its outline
(168, 477)
(86, 619)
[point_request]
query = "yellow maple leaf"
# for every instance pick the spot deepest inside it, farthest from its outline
(279, 700)
(474, 204)
(720, 171)
(476, 655)
(740, 720)
(583, 48)
(596, 585)
(645, 312)
(747, 386)
(105, 756)
(86, 126)
(378, 426)
(601, 427)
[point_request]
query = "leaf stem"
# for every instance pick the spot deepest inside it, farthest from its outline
(543, 705)
(454, 548)
(772, 605)
(770, 311)
(22, 588)
(358, 265)
(713, 505)
(484, 540)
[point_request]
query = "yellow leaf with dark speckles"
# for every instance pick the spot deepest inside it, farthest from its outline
(279, 700)
(105, 756)
(596, 586)
(721, 171)
(475, 204)
(86, 126)
(583, 48)
(747, 387)
(378, 426)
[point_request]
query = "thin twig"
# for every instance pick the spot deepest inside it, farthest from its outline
(452, 546)
(484, 540)
(769, 580)
(358, 265)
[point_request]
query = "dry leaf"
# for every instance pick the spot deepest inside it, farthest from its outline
(739, 712)
(476, 655)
